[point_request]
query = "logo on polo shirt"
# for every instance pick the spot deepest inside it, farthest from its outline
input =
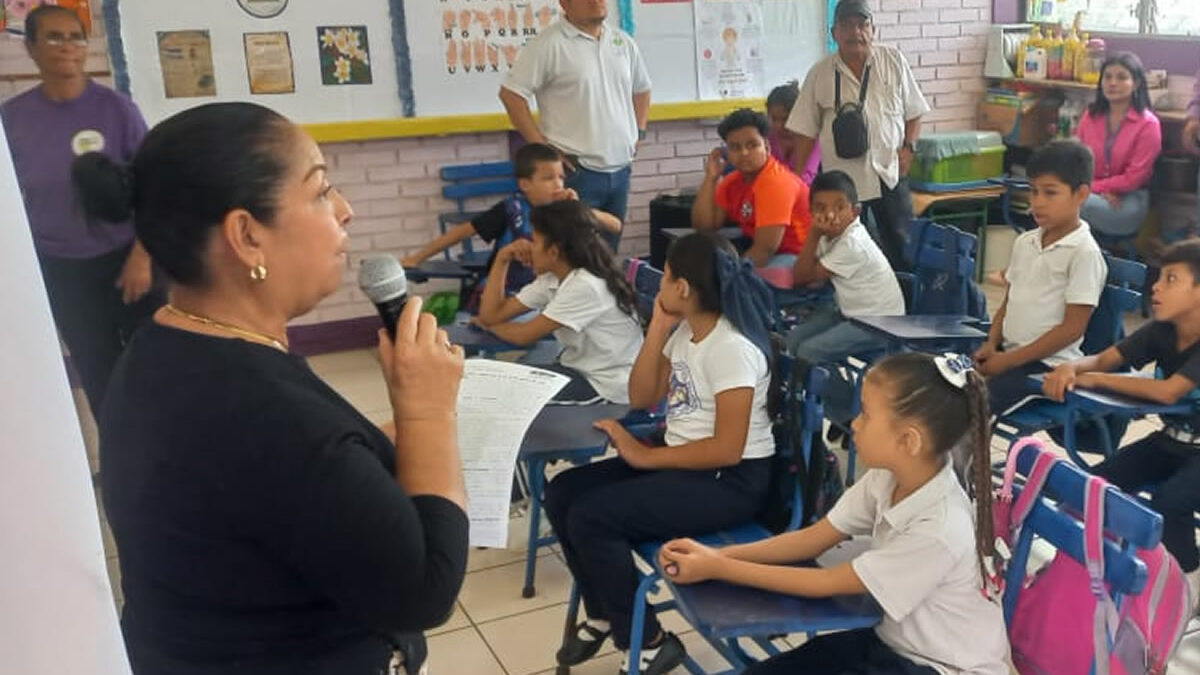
(87, 140)
(747, 210)
(617, 41)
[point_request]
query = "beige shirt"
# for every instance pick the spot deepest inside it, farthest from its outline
(584, 91)
(923, 571)
(893, 98)
(1043, 281)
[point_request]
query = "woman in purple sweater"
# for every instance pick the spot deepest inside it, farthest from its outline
(97, 275)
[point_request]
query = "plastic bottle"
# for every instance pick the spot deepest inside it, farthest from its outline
(1022, 48)
(1028, 50)
(1091, 60)
(1071, 55)
(1054, 55)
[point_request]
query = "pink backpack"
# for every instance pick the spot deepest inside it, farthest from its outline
(1048, 630)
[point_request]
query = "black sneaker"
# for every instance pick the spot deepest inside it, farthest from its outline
(581, 645)
(670, 655)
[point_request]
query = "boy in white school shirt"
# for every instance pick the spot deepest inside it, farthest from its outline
(1055, 277)
(841, 251)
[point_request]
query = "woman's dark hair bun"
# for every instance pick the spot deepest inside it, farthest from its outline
(104, 187)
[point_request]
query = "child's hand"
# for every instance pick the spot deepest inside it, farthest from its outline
(714, 167)
(1113, 200)
(662, 318)
(566, 193)
(687, 561)
(1061, 380)
(520, 250)
(983, 354)
(628, 448)
(1087, 381)
(995, 364)
(411, 261)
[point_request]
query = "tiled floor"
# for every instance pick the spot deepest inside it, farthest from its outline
(494, 631)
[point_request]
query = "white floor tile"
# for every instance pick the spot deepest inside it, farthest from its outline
(496, 592)
(526, 643)
(462, 652)
(357, 360)
(457, 621)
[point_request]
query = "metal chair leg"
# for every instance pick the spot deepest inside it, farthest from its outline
(537, 484)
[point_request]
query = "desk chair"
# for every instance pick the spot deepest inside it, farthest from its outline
(1104, 329)
(722, 614)
(467, 182)
(1056, 519)
(941, 282)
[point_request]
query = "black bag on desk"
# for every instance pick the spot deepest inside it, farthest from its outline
(850, 138)
(667, 211)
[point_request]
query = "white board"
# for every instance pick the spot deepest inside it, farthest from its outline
(58, 613)
(312, 101)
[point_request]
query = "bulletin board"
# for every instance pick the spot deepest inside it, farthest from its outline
(426, 67)
(136, 30)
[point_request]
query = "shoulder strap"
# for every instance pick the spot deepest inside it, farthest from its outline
(862, 92)
(1042, 465)
(1105, 619)
(837, 89)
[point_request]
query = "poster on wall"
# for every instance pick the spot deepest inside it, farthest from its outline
(187, 63)
(486, 38)
(345, 55)
(269, 63)
(729, 48)
(13, 13)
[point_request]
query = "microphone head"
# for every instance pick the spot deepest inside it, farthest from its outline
(382, 278)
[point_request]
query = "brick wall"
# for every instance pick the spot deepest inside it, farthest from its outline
(393, 184)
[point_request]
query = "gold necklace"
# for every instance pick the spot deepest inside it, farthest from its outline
(241, 332)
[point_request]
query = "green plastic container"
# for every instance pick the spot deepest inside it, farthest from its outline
(962, 168)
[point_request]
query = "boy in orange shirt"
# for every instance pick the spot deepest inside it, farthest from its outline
(766, 200)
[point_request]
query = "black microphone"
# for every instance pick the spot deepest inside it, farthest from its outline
(382, 279)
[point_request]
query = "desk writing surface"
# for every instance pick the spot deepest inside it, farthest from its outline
(474, 338)
(923, 200)
(921, 327)
(567, 427)
(1095, 400)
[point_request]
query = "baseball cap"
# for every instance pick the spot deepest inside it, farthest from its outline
(848, 8)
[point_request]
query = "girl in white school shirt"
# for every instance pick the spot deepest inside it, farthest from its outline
(925, 564)
(582, 298)
(707, 353)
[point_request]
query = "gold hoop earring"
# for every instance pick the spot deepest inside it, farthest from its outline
(258, 272)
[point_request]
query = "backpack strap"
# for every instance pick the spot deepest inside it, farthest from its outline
(837, 89)
(1036, 480)
(862, 92)
(1105, 618)
(632, 270)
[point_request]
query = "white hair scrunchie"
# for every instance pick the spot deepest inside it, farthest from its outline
(954, 368)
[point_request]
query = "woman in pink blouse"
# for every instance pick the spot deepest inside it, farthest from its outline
(1126, 139)
(783, 142)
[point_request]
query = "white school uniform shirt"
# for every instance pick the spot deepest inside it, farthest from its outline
(599, 340)
(1043, 281)
(584, 90)
(893, 97)
(863, 281)
(923, 571)
(725, 359)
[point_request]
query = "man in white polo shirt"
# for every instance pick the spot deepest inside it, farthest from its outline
(891, 107)
(593, 93)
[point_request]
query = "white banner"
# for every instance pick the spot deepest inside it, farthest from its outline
(58, 614)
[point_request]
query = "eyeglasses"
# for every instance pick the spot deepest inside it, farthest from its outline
(60, 40)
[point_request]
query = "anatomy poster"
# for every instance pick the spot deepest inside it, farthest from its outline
(484, 37)
(729, 48)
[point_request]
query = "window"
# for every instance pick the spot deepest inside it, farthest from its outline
(1164, 17)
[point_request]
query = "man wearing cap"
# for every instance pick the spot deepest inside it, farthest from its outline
(593, 92)
(877, 157)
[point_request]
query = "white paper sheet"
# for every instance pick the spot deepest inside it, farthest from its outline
(497, 401)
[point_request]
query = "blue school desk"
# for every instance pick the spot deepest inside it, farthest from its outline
(925, 331)
(673, 233)
(559, 432)
(1096, 403)
(476, 340)
(441, 269)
